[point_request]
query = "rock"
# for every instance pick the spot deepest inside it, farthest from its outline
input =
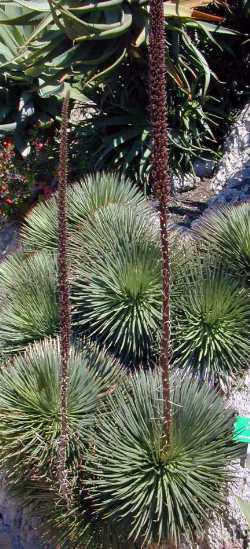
(18, 528)
(232, 528)
(8, 237)
(185, 182)
(204, 168)
(82, 112)
(231, 182)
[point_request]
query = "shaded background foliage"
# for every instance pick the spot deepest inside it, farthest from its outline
(207, 64)
(201, 105)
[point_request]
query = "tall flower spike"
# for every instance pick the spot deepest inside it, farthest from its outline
(161, 181)
(64, 299)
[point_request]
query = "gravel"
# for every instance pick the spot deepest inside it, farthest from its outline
(231, 531)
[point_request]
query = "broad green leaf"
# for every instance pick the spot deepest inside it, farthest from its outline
(25, 19)
(46, 90)
(75, 93)
(36, 5)
(113, 32)
(8, 128)
(97, 6)
(108, 71)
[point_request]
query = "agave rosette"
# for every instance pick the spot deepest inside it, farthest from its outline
(161, 495)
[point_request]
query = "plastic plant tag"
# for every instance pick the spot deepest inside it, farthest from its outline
(241, 431)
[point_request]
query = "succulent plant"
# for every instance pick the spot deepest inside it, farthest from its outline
(225, 233)
(30, 410)
(95, 191)
(29, 310)
(211, 326)
(117, 281)
(159, 495)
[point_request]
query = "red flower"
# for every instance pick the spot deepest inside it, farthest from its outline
(8, 143)
(9, 201)
(39, 146)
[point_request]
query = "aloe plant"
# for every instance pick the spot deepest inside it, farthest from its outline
(94, 40)
(47, 45)
(33, 57)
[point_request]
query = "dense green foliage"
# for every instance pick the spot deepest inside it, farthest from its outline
(225, 233)
(101, 52)
(110, 223)
(117, 289)
(84, 198)
(117, 133)
(126, 491)
(114, 457)
(211, 326)
(52, 39)
(29, 309)
(30, 411)
(160, 495)
(116, 281)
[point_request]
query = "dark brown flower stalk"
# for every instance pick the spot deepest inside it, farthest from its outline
(64, 300)
(161, 181)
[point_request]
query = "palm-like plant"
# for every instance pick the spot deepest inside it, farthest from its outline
(84, 198)
(29, 310)
(211, 327)
(225, 233)
(30, 411)
(161, 495)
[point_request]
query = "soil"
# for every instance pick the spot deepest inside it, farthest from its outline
(188, 205)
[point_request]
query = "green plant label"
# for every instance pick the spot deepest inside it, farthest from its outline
(242, 429)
